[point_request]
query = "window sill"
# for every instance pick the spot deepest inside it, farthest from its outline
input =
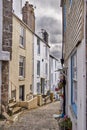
(73, 110)
(21, 78)
(21, 46)
(38, 76)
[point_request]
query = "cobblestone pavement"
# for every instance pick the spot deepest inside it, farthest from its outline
(37, 119)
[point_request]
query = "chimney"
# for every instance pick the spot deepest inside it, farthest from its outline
(45, 35)
(28, 15)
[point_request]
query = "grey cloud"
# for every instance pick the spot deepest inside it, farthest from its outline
(51, 4)
(48, 17)
(52, 26)
(55, 39)
(57, 54)
(57, 50)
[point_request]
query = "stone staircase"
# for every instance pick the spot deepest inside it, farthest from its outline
(13, 107)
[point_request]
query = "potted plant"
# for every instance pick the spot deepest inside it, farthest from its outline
(65, 123)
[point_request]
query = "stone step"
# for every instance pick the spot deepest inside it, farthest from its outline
(13, 104)
(16, 110)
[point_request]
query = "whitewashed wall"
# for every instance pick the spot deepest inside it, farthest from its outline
(36, 78)
(53, 71)
(81, 85)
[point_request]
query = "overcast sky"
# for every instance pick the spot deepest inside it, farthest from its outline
(48, 17)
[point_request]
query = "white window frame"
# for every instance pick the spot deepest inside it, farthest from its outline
(38, 88)
(22, 66)
(22, 36)
(74, 82)
(38, 67)
(38, 46)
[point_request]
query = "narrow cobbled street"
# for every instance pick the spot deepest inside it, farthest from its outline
(37, 119)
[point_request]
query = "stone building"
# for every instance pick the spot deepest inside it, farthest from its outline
(74, 55)
(29, 67)
(5, 49)
(20, 67)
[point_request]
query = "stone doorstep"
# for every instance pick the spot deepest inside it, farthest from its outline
(16, 109)
(13, 104)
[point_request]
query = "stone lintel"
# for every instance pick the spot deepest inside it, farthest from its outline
(4, 56)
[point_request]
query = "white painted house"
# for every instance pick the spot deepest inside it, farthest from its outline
(53, 73)
(41, 66)
(75, 60)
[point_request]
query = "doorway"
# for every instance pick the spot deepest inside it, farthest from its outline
(21, 92)
(42, 86)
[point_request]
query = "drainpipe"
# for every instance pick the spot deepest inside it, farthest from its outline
(62, 61)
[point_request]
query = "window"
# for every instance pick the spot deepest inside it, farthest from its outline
(38, 46)
(70, 2)
(51, 77)
(46, 68)
(21, 92)
(74, 82)
(55, 64)
(46, 51)
(64, 12)
(22, 66)
(38, 67)
(31, 87)
(22, 36)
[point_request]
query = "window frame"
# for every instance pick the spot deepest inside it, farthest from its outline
(38, 65)
(22, 66)
(22, 36)
(70, 1)
(74, 82)
(38, 88)
(38, 46)
(46, 68)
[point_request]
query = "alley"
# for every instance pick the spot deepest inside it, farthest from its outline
(37, 119)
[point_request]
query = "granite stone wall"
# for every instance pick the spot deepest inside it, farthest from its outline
(6, 46)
